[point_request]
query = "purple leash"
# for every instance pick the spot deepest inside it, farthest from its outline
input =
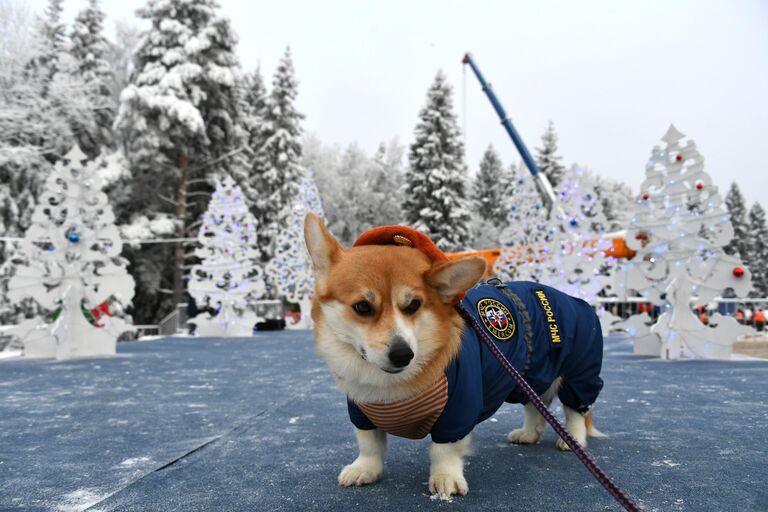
(583, 455)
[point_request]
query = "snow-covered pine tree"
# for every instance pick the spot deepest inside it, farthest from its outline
(384, 181)
(617, 200)
(70, 259)
(120, 57)
(256, 100)
(180, 125)
(739, 244)
(436, 183)
(358, 192)
(291, 268)
(228, 279)
(489, 191)
(52, 31)
(253, 103)
(89, 47)
(32, 131)
(547, 158)
(758, 250)
(277, 167)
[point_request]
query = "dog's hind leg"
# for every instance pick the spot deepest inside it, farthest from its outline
(368, 466)
(576, 424)
(592, 431)
(532, 431)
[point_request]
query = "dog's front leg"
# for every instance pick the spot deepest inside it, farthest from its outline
(446, 471)
(368, 466)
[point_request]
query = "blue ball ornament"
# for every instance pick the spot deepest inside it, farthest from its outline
(574, 222)
(74, 237)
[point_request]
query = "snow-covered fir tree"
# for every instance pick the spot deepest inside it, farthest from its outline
(547, 158)
(385, 183)
(617, 200)
(757, 254)
(291, 268)
(89, 47)
(120, 57)
(253, 101)
(256, 100)
(33, 131)
(70, 261)
(436, 199)
(739, 244)
(359, 192)
(179, 120)
(277, 167)
(45, 64)
(489, 191)
(229, 278)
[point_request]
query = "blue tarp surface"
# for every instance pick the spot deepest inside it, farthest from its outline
(256, 424)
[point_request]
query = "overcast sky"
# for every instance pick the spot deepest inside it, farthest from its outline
(611, 75)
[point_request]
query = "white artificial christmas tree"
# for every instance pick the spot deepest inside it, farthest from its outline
(70, 261)
(229, 278)
(579, 265)
(291, 268)
(678, 229)
(564, 249)
(527, 241)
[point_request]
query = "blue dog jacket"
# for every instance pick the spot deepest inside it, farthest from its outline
(543, 332)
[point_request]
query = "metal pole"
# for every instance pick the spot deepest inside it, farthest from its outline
(545, 188)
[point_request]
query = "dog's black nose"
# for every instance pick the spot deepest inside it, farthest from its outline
(400, 354)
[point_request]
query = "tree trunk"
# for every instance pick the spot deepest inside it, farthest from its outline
(181, 214)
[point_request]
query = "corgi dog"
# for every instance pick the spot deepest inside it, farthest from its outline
(387, 325)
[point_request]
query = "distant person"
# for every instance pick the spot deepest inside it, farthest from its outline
(192, 312)
(739, 316)
(192, 309)
(759, 320)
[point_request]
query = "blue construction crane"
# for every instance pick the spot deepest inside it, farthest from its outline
(542, 183)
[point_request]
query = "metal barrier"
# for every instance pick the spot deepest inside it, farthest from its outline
(749, 311)
(174, 322)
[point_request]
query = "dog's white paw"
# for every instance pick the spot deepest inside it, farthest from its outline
(522, 436)
(560, 444)
(359, 473)
(445, 484)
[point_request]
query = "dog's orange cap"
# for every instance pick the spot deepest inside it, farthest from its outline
(401, 235)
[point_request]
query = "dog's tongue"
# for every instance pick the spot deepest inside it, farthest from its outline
(401, 235)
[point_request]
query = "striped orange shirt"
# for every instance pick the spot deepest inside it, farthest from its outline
(413, 417)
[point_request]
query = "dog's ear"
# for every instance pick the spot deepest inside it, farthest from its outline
(322, 247)
(452, 278)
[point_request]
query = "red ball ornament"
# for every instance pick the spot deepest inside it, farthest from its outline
(679, 157)
(699, 185)
(646, 195)
(738, 272)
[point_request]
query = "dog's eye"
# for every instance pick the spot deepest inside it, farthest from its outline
(363, 308)
(412, 307)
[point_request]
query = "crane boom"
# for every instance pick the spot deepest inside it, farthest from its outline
(542, 183)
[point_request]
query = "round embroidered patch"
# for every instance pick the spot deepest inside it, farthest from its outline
(496, 318)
